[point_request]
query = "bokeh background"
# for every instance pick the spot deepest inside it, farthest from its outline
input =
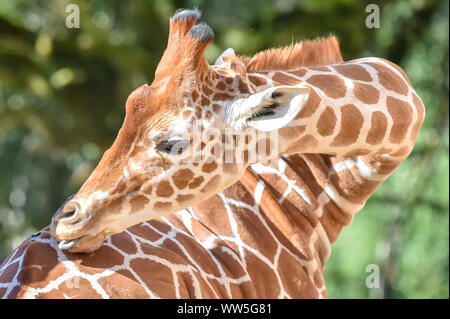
(63, 91)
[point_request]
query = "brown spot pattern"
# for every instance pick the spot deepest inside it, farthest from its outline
(331, 85)
(401, 115)
(353, 71)
(216, 108)
(204, 101)
(366, 93)
(299, 73)
(377, 128)
(157, 277)
(194, 95)
(285, 79)
(221, 97)
(310, 106)
(114, 207)
(256, 80)
(220, 86)
(209, 167)
(206, 90)
(351, 124)
(137, 203)
(196, 182)
(243, 87)
(182, 177)
(182, 198)
(162, 206)
(299, 286)
(402, 73)
(326, 122)
(164, 189)
(389, 79)
(124, 242)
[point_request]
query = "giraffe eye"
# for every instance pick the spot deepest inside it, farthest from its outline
(173, 146)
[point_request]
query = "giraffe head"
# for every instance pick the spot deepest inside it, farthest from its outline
(187, 136)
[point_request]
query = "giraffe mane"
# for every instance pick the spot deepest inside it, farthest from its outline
(318, 52)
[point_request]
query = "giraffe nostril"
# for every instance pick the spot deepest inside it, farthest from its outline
(69, 213)
(67, 209)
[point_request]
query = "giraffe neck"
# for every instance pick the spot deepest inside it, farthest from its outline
(359, 124)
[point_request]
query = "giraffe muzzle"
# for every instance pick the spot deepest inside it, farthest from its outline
(67, 224)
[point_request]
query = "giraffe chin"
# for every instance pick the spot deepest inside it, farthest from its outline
(84, 244)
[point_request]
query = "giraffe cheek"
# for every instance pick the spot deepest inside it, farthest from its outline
(138, 203)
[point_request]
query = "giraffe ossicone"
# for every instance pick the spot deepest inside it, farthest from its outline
(226, 180)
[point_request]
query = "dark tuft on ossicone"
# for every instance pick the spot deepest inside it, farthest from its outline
(202, 32)
(182, 14)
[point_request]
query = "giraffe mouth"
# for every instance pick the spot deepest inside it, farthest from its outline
(83, 244)
(67, 244)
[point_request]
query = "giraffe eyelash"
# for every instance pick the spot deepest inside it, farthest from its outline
(265, 111)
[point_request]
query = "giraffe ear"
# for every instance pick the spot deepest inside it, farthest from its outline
(229, 59)
(227, 54)
(268, 110)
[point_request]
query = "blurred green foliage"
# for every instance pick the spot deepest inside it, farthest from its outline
(62, 96)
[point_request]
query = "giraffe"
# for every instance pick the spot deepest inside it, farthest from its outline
(148, 223)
